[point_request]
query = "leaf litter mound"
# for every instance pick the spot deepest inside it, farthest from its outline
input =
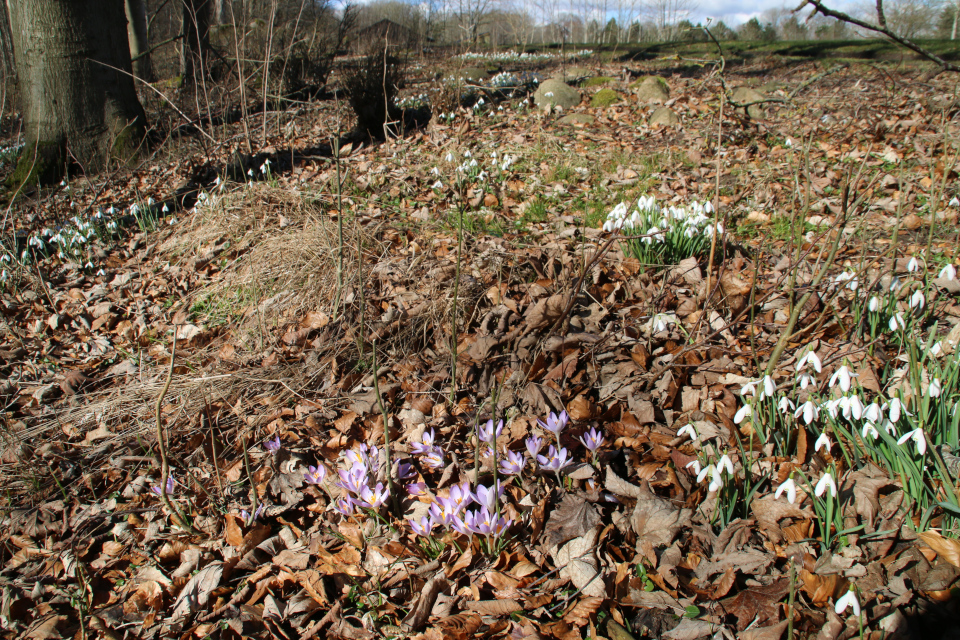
(622, 543)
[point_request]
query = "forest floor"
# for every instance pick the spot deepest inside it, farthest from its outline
(760, 423)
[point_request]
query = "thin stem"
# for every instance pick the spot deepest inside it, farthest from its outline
(386, 432)
(162, 447)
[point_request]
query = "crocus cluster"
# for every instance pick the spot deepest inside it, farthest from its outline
(357, 474)
(451, 512)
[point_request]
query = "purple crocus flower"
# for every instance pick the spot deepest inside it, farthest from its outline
(443, 513)
(460, 497)
(405, 470)
(434, 459)
(422, 528)
(592, 440)
(555, 423)
(367, 456)
(534, 444)
(315, 475)
(272, 444)
(487, 497)
(256, 514)
(375, 497)
(554, 460)
(171, 485)
(460, 526)
(488, 433)
(354, 479)
(512, 464)
(417, 489)
(344, 506)
(425, 446)
(486, 523)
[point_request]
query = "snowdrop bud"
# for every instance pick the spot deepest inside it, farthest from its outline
(848, 600)
(913, 265)
(874, 303)
(790, 487)
(744, 411)
(826, 481)
(822, 441)
(917, 301)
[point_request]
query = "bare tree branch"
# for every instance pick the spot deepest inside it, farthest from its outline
(839, 15)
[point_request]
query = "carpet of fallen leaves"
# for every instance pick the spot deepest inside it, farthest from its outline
(550, 317)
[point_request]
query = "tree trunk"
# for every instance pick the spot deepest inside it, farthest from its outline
(139, 41)
(196, 40)
(6, 45)
(77, 95)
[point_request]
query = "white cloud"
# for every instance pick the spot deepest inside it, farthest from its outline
(735, 12)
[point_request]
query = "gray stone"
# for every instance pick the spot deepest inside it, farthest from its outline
(555, 93)
(746, 95)
(664, 116)
(573, 75)
(577, 118)
(651, 89)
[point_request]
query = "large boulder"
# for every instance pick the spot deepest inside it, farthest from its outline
(554, 93)
(604, 98)
(746, 95)
(664, 117)
(651, 89)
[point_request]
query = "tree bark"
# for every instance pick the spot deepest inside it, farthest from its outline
(76, 89)
(6, 45)
(139, 41)
(196, 40)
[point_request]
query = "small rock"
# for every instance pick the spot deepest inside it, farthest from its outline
(664, 116)
(912, 222)
(577, 118)
(651, 89)
(553, 93)
(746, 95)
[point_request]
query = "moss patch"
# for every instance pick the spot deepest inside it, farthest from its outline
(42, 163)
(599, 81)
(604, 98)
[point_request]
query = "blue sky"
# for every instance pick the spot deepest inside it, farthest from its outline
(734, 12)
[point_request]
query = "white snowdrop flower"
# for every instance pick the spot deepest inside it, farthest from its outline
(913, 265)
(250, 172)
(785, 405)
(805, 379)
(101, 272)
(708, 207)
(744, 411)
(826, 481)
(897, 321)
(687, 430)
(895, 284)
(749, 387)
(165, 208)
(549, 94)
(874, 304)
(849, 599)
(869, 429)
(769, 388)
(917, 301)
(936, 349)
(872, 412)
(437, 185)
(843, 375)
(695, 464)
(895, 408)
(716, 480)
(949, 272)
(822, 441)
(849, 278)
(725, 463)
(918, 440)
(790, 487)
(935, 388)
(889, 427)
(809, 410)
(482, 176)
(955, 202)
(810, 358)
(467, 154)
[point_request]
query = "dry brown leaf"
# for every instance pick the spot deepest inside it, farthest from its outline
(577, 563)
(459, 627)
(773, 632)
(946, 548)
(821, 589)
(494, 607)
(572, 519)
(580, 614)
(196, 593)
(234, 534)
(546, 311)
(655, 519)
